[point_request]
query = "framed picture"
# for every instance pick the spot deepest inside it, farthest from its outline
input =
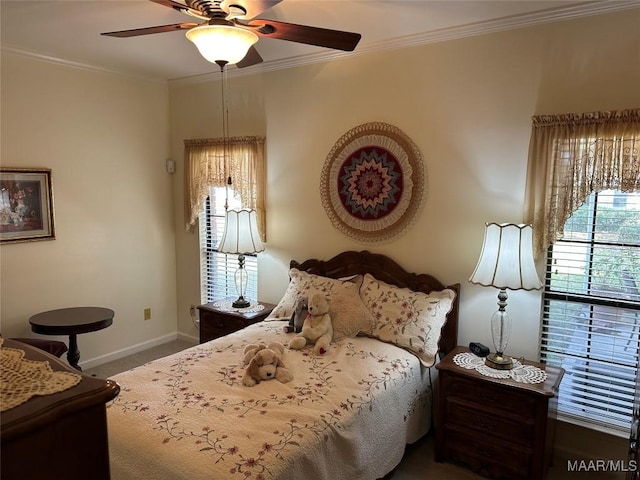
(26, 205)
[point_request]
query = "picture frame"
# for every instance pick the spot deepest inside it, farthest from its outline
(26, 205)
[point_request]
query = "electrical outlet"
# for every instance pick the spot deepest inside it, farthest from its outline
(192, 310)
(147, 314)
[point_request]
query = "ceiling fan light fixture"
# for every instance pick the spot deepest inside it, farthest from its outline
(224, 43)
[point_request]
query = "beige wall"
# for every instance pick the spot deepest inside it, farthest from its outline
(120, 226)
(467, 104)
(105, 138)
(196, 113)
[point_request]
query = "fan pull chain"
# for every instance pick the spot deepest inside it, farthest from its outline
(225, 129)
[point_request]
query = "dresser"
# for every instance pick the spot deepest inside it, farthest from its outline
(57, 436)
(499, 428)
(217, 321)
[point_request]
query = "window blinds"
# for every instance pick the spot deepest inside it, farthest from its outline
(591, 312)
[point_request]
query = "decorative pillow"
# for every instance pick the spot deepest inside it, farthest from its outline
(301, 284)
(408, 319)
(349, 315)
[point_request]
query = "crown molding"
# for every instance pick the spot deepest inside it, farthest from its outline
(584, 9)
(78, 65)
(469, 30)
(513, 22)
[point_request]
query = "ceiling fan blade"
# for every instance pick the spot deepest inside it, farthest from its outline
(149, 30)
(252, 7)
(251, 58)
(321, 37)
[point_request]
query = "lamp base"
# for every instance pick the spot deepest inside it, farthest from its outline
(241, 303)
(498, 361)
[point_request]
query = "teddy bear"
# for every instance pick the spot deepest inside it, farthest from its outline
(317, 326)
(298, 316)
(264, 363)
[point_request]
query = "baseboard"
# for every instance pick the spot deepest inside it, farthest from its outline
(125, 352)
(188, 338)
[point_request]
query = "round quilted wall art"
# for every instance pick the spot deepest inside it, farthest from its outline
(373, 182)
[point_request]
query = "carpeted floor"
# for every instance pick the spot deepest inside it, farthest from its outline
(417, 464)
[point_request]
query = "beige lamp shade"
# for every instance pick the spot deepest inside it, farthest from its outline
(241, 235)
(506, 259)
(224, 43)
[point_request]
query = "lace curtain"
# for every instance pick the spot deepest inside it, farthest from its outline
(205, 167)
(573, 155)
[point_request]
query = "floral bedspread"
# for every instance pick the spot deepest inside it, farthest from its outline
(345, 415)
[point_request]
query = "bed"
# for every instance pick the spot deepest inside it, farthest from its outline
(347, 414)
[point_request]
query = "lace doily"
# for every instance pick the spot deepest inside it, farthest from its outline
(520, 373)
(23, 378)
(227, 306)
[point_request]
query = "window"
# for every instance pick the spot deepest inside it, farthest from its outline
(209, 164)
(217, 270)
(591, 314)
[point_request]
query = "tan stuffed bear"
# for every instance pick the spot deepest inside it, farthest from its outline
(265, 363)
(317, 326)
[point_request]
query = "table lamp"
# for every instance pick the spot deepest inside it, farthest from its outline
(241, 237)
(506, 262)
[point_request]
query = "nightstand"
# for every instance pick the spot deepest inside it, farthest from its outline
(217, 321)
(499, 428)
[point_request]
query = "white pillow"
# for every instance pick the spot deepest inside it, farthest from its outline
(408, 319)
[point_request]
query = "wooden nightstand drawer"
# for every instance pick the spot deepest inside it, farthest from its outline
(486, 394)
(216, 321)
(215, 329)
(226, 324)
(488, 456)
(492, 423)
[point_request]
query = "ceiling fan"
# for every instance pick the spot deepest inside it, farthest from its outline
(237, 17)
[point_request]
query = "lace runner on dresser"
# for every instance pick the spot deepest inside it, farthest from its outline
(520, 373)
(23, 378)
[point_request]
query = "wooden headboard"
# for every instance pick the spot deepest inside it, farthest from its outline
(387, 270)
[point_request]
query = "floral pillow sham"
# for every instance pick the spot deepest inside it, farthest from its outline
(408, 319)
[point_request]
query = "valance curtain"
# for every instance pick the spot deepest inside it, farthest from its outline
(206, 166)
(573, 155)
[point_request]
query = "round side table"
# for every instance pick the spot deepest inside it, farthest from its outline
(72, 321)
